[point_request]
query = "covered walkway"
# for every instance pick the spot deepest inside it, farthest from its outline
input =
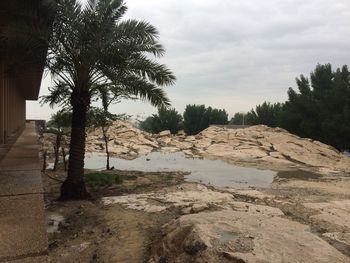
(22, 219)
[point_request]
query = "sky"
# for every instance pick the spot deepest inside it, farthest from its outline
(235, 54)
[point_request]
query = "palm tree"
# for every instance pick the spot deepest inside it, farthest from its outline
(59, 124)
(92, 51)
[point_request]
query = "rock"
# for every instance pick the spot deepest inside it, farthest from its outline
(169, 149)
(203, 143)
(118, 150)
(198, 196)
(191, 154)
(165, 133)
(339, 237)
(181, 133)
(243, 237)
(334, 212)
(250, 193)
(190, 139)
(142, 149)
(221, 150)
(186, 210)
(180, 145)
(196, 208)
(164, 141)
(258, 145)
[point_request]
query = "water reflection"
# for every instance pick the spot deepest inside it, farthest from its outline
(213, 172)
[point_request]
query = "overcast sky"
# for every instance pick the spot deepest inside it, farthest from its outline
(234, 54)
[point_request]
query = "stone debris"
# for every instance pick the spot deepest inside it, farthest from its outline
(241, 236)
(217, 228)
(250, 193)
(334, 212)
(259, 145)
(196, 197)
(342, 237)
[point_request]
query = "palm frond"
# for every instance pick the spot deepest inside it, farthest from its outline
(153, 71)
(144, 90)
(135, 29)
(59, 95)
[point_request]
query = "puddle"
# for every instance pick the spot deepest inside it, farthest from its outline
(227, 236)
(298, 174)
(53, 223)
(212, 172)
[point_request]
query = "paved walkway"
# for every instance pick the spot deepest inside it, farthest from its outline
(22, 217)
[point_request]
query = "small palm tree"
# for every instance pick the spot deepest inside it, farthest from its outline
(93, 53)
(102, 119)
(59, 124)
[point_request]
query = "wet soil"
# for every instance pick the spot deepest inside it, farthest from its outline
(92, 232)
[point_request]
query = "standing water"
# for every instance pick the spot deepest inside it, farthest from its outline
(213, 172)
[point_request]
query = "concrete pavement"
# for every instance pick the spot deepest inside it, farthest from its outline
(23, 235)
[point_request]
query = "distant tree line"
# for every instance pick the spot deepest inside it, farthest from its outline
(195, 119)
(318, 109)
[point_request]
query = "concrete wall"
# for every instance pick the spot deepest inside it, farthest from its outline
(12, 106)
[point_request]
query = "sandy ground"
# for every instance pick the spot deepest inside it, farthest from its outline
(125, 231)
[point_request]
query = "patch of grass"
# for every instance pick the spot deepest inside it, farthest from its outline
(129, 177)
(102, 179)
(118, 179)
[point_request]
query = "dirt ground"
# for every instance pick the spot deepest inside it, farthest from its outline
(92, 232)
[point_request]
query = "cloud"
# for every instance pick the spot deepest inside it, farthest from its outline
(236, 54)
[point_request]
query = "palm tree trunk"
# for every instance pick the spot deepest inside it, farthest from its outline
(74, 185)
(57, 149)
(64, 159)
(106, 143)
(44, 160)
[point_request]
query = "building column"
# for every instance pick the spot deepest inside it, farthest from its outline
(2, 106)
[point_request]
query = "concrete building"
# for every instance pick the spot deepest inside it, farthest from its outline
(23, 48)
(24, 26)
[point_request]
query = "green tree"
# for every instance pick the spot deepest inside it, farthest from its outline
(198, 117)
(239, 119)
(320, 107)
(166, 119)
(266, 113)
(59, 124)
(91, 50)
(103, 119)
(317, 109)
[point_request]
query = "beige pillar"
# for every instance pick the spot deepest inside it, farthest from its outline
(2, 99)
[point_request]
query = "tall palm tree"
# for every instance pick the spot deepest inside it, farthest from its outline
(92, 51)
